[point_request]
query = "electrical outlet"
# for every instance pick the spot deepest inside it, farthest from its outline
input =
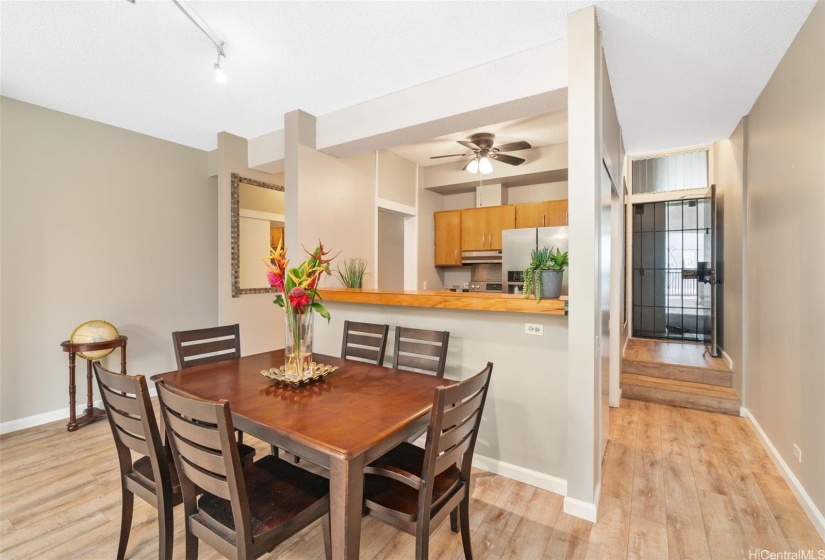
(797, 453)
(425, 285)
(533, 328)
(466, 285)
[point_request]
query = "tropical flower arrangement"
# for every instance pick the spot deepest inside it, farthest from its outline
(298, 285)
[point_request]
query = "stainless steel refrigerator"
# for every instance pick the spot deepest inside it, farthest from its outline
(517, 244)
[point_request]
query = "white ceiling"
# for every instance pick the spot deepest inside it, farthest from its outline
(683, 73)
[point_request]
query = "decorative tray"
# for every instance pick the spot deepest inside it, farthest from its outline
(290, 376)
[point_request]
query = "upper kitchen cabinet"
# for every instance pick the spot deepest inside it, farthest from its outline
(541, 214)
(481, 227)
(448, 238)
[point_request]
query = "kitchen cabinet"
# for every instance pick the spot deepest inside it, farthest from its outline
(276, 235)
(481, 227)
(448, 238)
(541, 214)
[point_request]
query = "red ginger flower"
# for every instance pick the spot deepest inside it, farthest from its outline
(298, 299)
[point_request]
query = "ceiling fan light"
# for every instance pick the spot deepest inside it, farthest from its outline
(484, 166)
(473, 166)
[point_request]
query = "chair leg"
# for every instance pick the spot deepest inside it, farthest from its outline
(166, 530)
(125, 522)
(454, 520)
(240, 436)
(422, 540)
(274, 451)
(464, 520)
(327, 539)
(191, 542)
(296, 459)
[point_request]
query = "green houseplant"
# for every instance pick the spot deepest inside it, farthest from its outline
(353, 274)
(543, 275)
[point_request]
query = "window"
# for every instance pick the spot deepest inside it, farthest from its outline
(672, 172)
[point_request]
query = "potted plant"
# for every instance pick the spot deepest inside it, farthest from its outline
(543, 275)
(353, 273)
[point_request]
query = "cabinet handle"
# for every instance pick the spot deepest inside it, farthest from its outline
(455, 255)
(490, 240)
(482, 241)
(542, 220)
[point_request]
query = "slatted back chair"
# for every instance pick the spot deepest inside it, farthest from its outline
(420, 350)
(415, 489)
(205, 346)
(242, 513)
(152, 477)
(365, 342)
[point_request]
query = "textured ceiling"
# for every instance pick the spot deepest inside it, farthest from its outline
(683, 73)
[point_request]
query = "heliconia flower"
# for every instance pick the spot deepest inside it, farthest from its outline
(275, 280)
(298, 299)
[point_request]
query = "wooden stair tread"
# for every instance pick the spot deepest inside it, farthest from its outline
(701, 389)
(719, 368)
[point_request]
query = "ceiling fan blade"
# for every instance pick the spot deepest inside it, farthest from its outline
(510, 160)
(451, 155)
(513, 146)
(468, 144)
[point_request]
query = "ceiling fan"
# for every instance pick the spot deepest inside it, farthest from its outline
(484, 149)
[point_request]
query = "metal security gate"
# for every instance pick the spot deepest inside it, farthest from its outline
(673, 276)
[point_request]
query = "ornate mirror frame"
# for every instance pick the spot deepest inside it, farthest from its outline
(237, 291)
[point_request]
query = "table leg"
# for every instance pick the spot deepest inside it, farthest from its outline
(346, 494)
(72, 424)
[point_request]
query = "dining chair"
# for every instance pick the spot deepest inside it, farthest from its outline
(364, 342)
(420, 350)
(414, 489)
(242, 513)
(205, 346)
(153, 476)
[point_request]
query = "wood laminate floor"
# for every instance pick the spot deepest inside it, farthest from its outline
(678, 484)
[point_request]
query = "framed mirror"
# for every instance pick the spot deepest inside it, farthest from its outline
(257, 216)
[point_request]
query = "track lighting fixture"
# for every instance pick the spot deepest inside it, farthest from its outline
(219, 74)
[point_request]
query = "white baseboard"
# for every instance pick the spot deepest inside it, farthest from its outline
(53, 416)
(44, 418)
(521, 474)
(730, 362)
(581, 509)
(798, 490)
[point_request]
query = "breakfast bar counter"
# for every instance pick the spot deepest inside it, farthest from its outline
(510, 303)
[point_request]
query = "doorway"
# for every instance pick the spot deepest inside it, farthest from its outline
(672, 294)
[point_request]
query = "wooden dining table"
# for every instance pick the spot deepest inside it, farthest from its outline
(353, 416)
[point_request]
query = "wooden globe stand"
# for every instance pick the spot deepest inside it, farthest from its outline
(91, 414)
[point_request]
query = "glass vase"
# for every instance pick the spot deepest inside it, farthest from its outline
(298, 348)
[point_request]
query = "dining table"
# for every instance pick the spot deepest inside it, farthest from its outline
(346, 420)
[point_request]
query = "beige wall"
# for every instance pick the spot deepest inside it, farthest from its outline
(729, 177)
(525, 418)
(428, 203)
(396, 178)
(390, 251)
(785, 307)
(583, 387)
(537, 193)
(97, 223)
(262, 322)
(337, 206)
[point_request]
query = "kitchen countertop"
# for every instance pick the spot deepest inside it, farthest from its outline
(480, 301)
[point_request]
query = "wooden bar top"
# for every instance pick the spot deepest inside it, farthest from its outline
(478, 301)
